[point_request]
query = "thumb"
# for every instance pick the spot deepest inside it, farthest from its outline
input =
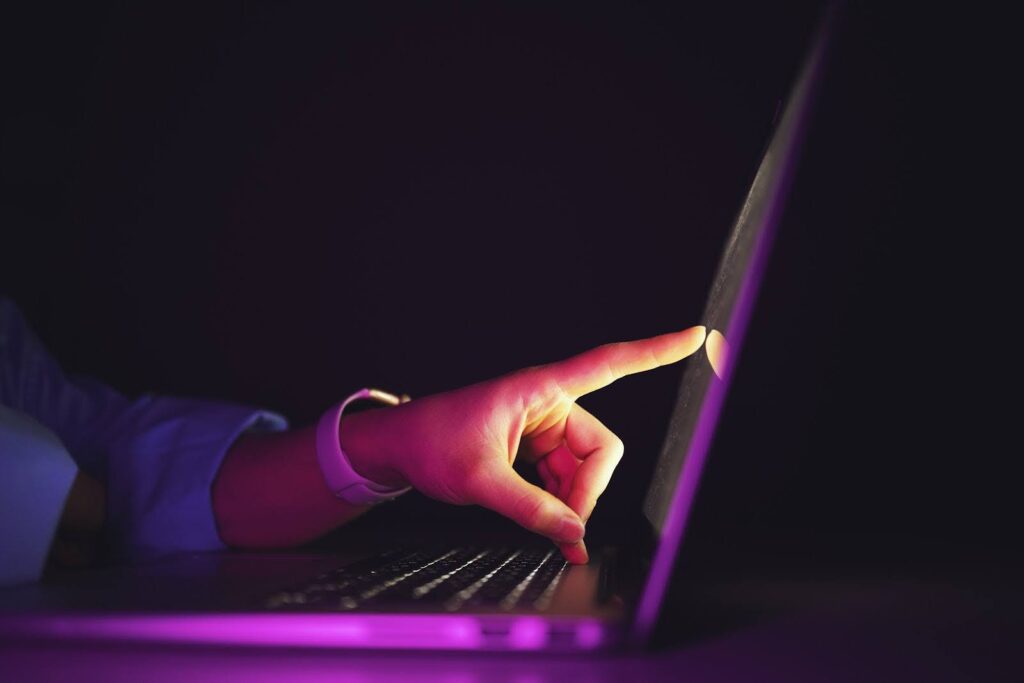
(508, 494)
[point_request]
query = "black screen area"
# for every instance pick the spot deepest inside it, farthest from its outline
(729, 305)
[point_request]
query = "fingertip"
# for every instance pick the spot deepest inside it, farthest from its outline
(575, 553)
(675, 346)
(700, 332)
(692, 339)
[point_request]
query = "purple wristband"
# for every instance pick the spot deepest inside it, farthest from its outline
(343, 481)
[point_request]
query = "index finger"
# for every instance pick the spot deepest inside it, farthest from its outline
(599, 367)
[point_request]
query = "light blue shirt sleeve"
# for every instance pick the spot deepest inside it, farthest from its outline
(36, 474)
(158, 456)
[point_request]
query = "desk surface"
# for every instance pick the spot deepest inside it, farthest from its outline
(967, 627)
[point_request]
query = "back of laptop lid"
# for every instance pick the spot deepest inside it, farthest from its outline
(708, 373)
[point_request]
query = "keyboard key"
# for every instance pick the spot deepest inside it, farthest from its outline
(452, 578)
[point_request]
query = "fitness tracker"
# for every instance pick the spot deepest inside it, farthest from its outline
(341, 478)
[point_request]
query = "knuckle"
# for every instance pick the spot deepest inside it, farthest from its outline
(616, 447)
(544, 394)
(614, 349)
(543, 381)
(529, 377)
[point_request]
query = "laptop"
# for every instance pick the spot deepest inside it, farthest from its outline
(458, 596)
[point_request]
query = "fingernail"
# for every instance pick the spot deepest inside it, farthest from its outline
(570, 529)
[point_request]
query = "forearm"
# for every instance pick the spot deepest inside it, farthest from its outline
(270, 491)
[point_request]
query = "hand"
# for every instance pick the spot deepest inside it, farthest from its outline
(459, 446)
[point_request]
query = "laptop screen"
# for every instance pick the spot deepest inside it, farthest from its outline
(729, 305)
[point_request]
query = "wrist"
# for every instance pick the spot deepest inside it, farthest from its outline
(364, 437)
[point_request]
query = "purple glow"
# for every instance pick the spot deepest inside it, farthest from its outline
(300, 630)
(836, 630)
(796, 116)
(528, 633)
(367, 631)
(589, 635)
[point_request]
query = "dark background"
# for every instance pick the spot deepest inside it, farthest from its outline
(278, 205)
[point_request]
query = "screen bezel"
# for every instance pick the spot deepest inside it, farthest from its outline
(730, 304)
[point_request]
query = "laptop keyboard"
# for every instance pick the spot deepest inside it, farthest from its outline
(451, 579)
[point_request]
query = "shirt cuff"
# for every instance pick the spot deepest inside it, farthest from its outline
(160, 475)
